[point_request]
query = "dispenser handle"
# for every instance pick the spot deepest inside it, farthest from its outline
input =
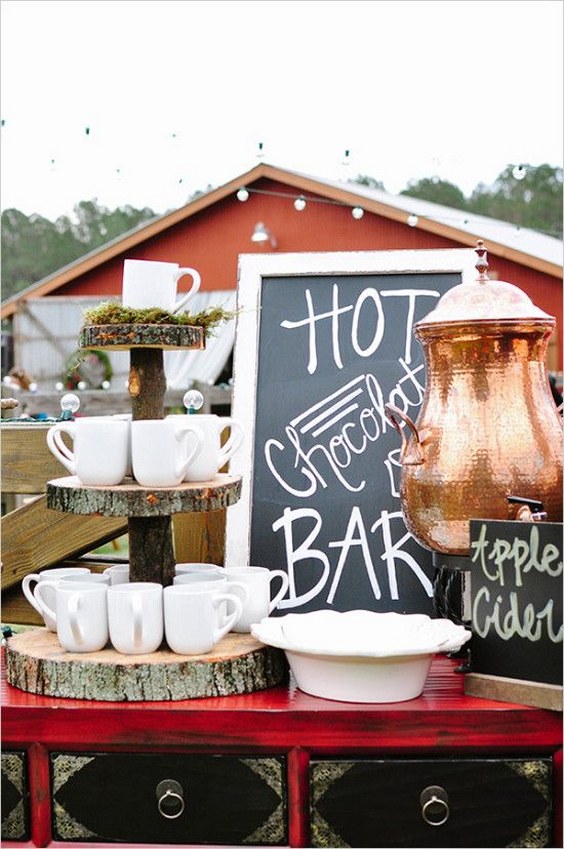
(411, 449)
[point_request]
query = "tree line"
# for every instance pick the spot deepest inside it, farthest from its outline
(34, 247)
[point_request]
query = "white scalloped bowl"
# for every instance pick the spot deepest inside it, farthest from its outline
(359, 655)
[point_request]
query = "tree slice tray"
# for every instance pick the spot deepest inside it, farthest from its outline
(130, 499)
(238, 664)
(123, 337)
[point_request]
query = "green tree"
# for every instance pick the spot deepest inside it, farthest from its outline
(371, 182)
(436, 191)
(33, 247)
(535, 201)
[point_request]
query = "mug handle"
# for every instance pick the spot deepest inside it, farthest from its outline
(232, 618)
(182, 436)
(40, 604)
(58, 448)
(234, 441)
(196, 279)
(74, 607)
(278, 573)
(28, 592)
(137, 614)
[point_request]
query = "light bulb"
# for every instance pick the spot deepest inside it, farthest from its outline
(357, 213)
(59, 386)
(106, 384)
(412, 220)
(70, 403)
(242, 195)
(299, 204)
(193, 400)
(33, 387)
(519, 172)
(81, 385)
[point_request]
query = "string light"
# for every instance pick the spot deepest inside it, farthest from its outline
(412, 220)
(519, 172)
(300, 202)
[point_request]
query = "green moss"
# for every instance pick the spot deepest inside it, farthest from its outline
(112, 313)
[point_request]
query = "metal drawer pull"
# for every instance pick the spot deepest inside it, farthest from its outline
(436, 798)
(169, 794)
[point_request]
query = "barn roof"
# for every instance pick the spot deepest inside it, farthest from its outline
(526, 247)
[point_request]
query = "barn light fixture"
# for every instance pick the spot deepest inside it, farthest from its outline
(262, 234)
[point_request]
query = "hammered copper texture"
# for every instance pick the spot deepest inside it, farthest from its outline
(488, 428)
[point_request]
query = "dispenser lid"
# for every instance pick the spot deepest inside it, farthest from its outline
(483, 300)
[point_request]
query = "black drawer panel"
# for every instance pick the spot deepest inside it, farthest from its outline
(113, 797)
(491, 803)
(15, 797)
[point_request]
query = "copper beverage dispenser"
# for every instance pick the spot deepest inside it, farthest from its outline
(488, 428)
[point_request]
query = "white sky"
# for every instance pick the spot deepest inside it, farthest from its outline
(178, 95)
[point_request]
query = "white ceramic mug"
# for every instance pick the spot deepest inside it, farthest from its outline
(126, 417)
(197, 617)
(161, 453)
(81, 614)
(198, 569)
(100, 451)
(135, 617)
(217, 580)
(89, 578)
(258, 581)
(51, 576)
(212, 455)
(118, 574)
(147, 283)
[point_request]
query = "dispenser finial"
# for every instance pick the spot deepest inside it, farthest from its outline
(482, 263)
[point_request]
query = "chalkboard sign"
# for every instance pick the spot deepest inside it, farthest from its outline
(323, 341)
(516, 604)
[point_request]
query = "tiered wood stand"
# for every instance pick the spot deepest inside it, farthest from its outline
(35, 661)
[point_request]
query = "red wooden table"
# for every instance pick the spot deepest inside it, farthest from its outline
(442, 726)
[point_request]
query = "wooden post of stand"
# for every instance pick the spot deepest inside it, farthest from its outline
(147, 383)
(151, 552)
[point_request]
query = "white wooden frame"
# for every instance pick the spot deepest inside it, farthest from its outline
(252, 269)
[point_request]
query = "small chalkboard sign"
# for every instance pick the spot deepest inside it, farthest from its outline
(322, 342)
(516, 608)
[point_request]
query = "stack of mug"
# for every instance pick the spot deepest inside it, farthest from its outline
(155, 452)
(90, 610)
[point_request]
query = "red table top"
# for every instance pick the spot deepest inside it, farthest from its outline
(282, 717)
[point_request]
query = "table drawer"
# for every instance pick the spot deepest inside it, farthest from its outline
(418, 803)
(167, 798)
(15, 796)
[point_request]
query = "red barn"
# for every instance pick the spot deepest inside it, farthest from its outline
(210, 233)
